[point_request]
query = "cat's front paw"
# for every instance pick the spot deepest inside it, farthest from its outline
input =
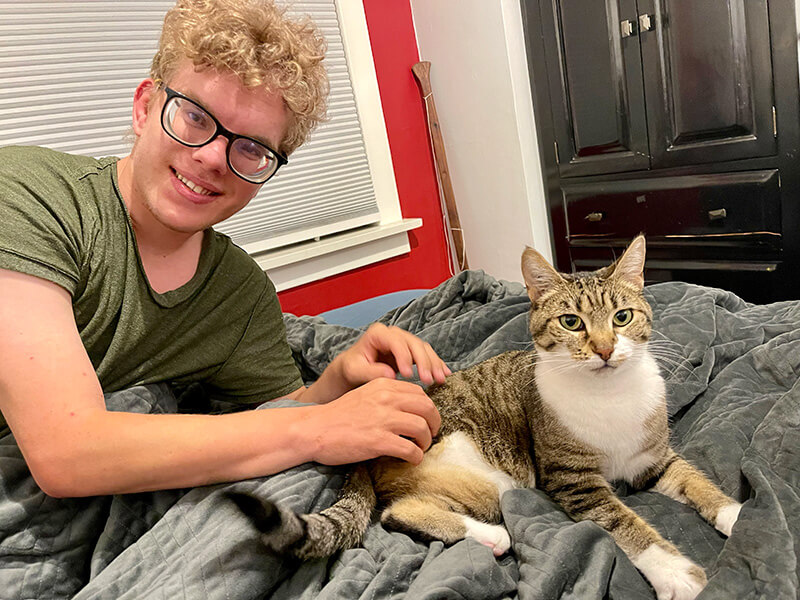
(494, 536)
(726, 517)
(673, 576)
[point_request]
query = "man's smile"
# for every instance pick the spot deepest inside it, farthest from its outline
(193, 186)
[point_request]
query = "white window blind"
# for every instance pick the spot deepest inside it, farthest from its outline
(68, 71)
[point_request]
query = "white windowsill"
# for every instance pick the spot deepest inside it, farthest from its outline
(310, 261)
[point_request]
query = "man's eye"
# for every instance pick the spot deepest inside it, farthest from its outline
(571, 322)
(196, 118)
(251, 150)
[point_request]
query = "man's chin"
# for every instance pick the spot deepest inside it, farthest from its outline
(189, 229)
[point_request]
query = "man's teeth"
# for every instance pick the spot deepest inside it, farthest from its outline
(197, 189)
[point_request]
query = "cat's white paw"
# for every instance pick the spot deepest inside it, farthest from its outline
(494, 536)
(726, 517)
(673, 577)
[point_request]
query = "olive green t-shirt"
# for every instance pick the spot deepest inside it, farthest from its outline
(62, 218)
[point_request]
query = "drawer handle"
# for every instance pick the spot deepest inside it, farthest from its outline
(716, 215)
(594, 217)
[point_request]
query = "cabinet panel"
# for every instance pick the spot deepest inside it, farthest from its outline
(595, 77)
(708, 81)
(695, 210)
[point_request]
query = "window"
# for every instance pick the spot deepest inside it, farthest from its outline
(67, 75)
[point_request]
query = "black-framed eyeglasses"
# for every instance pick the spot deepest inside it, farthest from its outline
(187, 122)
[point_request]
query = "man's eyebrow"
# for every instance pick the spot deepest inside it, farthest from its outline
(264, 141)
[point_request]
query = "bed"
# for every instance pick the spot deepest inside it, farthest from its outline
(735, 409)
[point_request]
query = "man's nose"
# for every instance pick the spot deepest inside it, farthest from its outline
(214, 154)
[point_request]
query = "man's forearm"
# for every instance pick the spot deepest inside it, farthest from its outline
(116, 452)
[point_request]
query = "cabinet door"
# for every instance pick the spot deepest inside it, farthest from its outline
(595, 82)
(708, 80)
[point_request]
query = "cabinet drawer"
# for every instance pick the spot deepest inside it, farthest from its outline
(719, 209)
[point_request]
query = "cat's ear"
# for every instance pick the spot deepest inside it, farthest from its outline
(538, 274)
(630, 266)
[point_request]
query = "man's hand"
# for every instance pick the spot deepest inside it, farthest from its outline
(384, 417)
(384, 351)
(366, 412)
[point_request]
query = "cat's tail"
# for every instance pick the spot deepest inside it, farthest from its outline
(314, 535)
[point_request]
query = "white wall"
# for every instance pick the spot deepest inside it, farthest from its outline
(479, 77)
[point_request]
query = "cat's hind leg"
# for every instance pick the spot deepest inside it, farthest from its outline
(685, 483)
(427, 518)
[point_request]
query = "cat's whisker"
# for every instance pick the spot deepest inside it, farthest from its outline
(666, 344)
(525, 345)
(529, 367)
(665, 350)
(667, 347)
(562, 367)
(672, 366)
(658, 355)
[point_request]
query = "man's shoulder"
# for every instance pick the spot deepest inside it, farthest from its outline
(52, 219)
(28, 160)
(54, 178)
(236, 263)
(45, 172)
(232, 253)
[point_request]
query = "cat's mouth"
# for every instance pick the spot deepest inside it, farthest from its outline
(604, 368)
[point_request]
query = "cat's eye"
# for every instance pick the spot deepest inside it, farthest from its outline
(623, 317)
(571, 322)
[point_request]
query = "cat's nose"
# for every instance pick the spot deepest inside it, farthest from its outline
(603, 351)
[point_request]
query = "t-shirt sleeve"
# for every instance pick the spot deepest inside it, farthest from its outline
(261, 367)
(40, 225)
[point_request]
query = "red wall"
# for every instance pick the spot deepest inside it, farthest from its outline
(394, 49)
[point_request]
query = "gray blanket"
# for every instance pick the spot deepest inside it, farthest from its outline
(732, 372)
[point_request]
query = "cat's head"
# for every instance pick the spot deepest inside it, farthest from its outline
(597, 318)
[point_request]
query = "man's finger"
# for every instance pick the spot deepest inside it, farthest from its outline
(403, 358)
(404, 449)
(419, 404)
(365, 371)
(394, 342)
(417, 430)
(425, 358)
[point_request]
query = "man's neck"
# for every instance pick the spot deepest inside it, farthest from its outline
(169, 257)
(167, 267)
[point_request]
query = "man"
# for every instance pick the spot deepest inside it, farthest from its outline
(111, 276)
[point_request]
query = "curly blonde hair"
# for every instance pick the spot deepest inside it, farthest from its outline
(259, 43)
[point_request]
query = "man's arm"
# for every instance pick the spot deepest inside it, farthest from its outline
(53, 402)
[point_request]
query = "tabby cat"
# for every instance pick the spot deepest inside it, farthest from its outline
(586, 407)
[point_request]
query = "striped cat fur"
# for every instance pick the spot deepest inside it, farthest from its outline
(585, 408)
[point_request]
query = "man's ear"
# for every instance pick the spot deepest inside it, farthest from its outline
(142, 98)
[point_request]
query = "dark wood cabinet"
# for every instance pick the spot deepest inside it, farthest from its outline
(676, 118)
(596, 89)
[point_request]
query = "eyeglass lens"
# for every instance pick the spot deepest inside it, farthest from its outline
(193, 126)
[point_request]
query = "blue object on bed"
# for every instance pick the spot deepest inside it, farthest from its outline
(369, 310)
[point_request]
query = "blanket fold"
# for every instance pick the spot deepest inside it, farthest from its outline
(734, 399)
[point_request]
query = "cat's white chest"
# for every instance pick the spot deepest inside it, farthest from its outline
(607, 412)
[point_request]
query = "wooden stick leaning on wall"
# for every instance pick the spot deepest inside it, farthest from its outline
(422, 72)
